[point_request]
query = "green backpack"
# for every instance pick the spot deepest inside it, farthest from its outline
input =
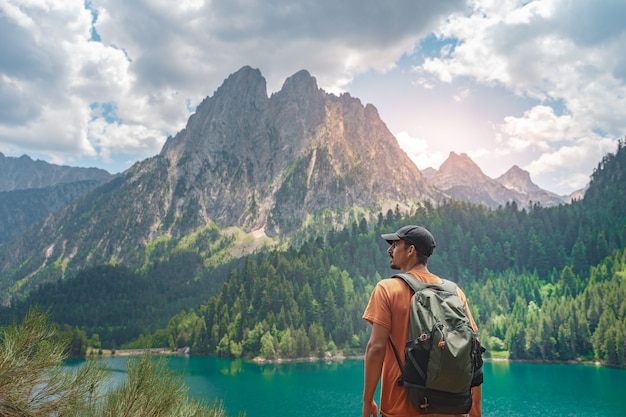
(443, 356)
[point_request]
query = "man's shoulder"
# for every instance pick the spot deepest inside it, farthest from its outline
(391, 282)
(393, 286)
(426, 276)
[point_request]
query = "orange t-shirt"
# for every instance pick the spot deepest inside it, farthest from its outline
(389, 306)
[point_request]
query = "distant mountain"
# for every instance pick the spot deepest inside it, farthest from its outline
(460, 178)
(577, 195)
(519, 180)
(30, 190)
(20, 209)
(429, 172)
(244, 160)
(23, 173)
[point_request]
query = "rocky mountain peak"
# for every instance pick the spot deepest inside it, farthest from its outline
(247, 84)
(220, 122)
(429, 172)
(519, 180)
(301, 84)
(462, 165)
(460, 169)
(242, 90)
(299, 151)
(461, 178)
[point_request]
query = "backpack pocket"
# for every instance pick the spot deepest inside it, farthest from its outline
(477, 356)
(417, 353)
(433, 401)
(450, 367)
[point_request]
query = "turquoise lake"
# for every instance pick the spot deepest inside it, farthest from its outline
(334, 388)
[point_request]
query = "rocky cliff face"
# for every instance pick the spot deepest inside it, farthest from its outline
(244, 159)
(261, 163)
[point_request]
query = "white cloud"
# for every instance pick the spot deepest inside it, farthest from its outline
(150, 62)
(67, 96)
(563, 164)
(462, 95)
(568, 56)
(419, 152)
(539, 127)
(124, 138)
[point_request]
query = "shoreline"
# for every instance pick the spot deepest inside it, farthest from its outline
(327, 358)
(108, 353)
(567, 362)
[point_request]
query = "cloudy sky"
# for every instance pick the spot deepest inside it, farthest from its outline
(538, 84)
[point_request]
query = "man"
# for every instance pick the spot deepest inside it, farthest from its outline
(388, 313)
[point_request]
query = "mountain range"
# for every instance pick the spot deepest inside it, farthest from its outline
(460, 178)
(23, 174)
(245, 165)
(30, 190)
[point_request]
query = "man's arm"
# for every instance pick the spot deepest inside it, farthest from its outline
(374, 356)
(477, 402)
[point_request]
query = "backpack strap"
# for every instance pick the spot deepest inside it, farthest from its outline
(417, 368)
(417, 285)
(395, 352)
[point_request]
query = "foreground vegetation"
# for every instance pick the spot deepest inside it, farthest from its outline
(34, 382)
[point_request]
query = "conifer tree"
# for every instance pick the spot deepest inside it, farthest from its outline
(34, 381)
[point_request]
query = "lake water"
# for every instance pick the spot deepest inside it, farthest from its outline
(334, 389)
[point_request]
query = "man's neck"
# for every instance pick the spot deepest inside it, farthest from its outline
(416, 267)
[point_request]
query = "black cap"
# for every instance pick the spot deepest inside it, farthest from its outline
(417, 236)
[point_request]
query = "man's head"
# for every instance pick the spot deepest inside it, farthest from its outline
(418, 237)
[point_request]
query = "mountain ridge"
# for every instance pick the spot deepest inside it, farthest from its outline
(20, 209)
(461, 178)
(30, 190)
(302, 151)
(23, 173)
(245, 160)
